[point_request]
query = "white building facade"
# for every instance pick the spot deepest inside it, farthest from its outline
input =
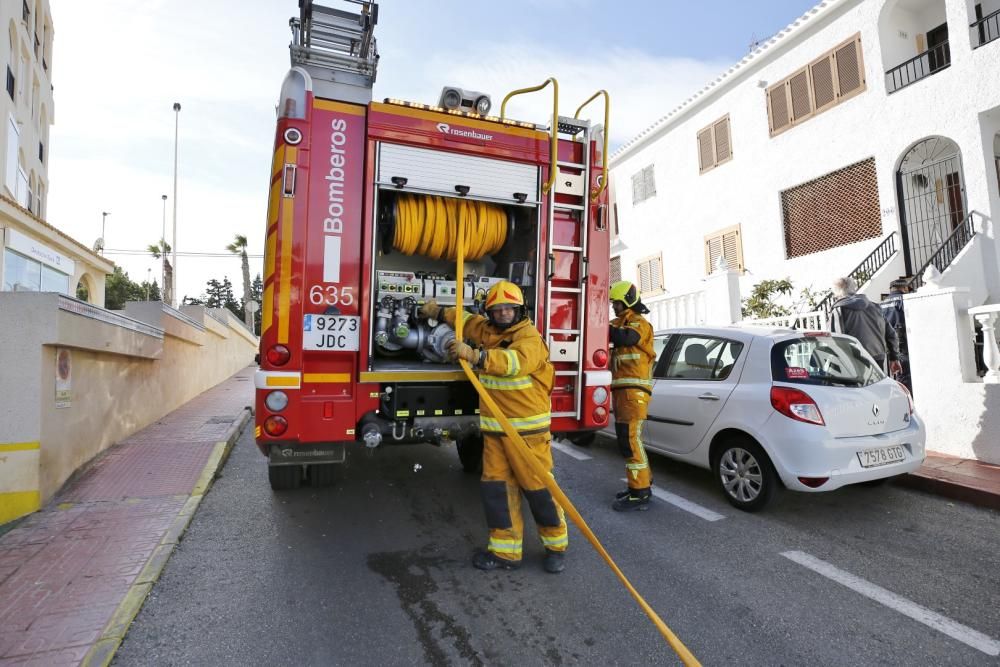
(35, 256)
(866, 126)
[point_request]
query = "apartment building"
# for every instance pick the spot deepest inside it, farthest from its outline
(34, 255)
(864, 138)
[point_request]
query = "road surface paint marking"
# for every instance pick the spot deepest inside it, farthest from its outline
(953, 629)
(685, 504)
(570, 450)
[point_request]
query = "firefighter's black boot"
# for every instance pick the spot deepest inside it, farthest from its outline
(487, 560)
(555, 561)
(635, 500)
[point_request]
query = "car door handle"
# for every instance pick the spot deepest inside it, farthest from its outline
(708, 397)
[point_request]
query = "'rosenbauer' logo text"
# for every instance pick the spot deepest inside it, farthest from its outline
(445, 128)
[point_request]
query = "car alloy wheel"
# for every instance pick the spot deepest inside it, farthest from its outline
(745, 474)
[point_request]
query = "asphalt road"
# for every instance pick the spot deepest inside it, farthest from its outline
(376, 571)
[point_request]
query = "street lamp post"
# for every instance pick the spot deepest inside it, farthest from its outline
(104, 218)
(163, 253)
(173, 281)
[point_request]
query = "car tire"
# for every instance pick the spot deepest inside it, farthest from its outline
(470, 454)
(322, 474)
(582, 438)
(284, 478)
(745, 474)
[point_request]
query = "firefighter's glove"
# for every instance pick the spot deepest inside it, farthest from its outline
(459, 350)
(431, 311)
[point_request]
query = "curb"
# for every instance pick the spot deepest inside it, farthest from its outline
(950, 489)
(103, 651)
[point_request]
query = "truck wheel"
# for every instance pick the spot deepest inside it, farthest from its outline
(283, 478)
(322, 474)
(583, 438)
(470, 453)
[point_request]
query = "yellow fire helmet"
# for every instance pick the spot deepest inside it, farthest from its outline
(625, 292)
(504, 293)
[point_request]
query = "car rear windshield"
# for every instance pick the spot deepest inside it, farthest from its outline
(824, 360)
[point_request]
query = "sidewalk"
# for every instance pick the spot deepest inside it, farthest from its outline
(969, 481)
(75, 574)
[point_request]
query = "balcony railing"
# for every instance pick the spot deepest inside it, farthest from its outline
(946, 252)
(929, 62)
(864, 271)
(986, 29)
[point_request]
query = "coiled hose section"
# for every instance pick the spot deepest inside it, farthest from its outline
(428, 226)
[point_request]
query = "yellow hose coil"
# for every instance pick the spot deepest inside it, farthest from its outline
(428, 226)
(519, 449)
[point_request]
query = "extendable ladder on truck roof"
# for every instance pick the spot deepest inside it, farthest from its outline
(337, 48)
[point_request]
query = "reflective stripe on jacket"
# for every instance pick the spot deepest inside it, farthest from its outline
(516, 373)
(632, 365)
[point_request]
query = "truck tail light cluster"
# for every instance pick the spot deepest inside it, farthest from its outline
(601, 358)
(278, 355)
(275, 425)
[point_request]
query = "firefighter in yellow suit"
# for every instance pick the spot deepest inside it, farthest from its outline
(513, 364)
(631, 386)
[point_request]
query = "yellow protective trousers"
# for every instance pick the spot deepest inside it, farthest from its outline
(630, 414)
(505, 477)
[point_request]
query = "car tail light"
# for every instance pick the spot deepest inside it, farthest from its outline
(275, 425)
(909, 397)
(796, 404)
(601, 358)
(278, 355)
(600, 414)
(814, 482)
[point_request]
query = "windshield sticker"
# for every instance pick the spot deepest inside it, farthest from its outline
(796, 373)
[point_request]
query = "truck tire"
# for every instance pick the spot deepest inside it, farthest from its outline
(470, 453)
(582, 438)
(322, 474)
(284, 478)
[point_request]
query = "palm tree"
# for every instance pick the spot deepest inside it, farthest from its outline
(158, 250)
(239, 247)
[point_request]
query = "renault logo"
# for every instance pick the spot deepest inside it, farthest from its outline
(875, 409)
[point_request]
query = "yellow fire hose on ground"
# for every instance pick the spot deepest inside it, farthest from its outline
(520, 450)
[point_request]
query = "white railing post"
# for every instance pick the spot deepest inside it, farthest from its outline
(987, 318)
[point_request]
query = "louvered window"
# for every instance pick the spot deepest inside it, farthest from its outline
(616, 269)
(643, 185)
(714, 145)
(839, 208)
(724, 244)
(834, 77)
(651, 275)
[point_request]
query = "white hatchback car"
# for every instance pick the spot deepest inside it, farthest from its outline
(768, 407)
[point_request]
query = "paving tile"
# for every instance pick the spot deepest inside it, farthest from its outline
(67, 657)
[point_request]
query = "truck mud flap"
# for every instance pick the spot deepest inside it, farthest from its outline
(285, 455)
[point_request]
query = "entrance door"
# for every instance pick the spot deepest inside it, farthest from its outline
(956, 208)
(931, 203)
(938, 52)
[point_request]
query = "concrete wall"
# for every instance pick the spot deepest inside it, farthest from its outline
(746, 190)
(127, 370)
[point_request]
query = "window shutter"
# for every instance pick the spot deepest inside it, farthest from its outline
(850, 68)
(616, 269)
(821, 72)
(777, 105)
(732, 249)
(649, 179)
(637, 188)
(713, 249)
(643, 277)
(798, 88)
(705, 160)
(722, 148)
(656, 273)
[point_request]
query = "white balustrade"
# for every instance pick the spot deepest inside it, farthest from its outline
(987, 317)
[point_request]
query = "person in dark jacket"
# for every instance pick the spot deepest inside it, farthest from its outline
(892, 310)
(856, 315)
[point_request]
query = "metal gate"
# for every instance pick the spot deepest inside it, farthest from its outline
(931, 205)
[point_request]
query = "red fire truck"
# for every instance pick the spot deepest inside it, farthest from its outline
(364, 201)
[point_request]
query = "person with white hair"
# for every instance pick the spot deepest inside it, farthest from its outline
(856, 315)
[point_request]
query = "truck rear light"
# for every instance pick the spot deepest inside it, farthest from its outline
(601, 358)
(276, 401)
(796, 405)
(278, 355)
(275, 425)
(600, 414)
(600, 395)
